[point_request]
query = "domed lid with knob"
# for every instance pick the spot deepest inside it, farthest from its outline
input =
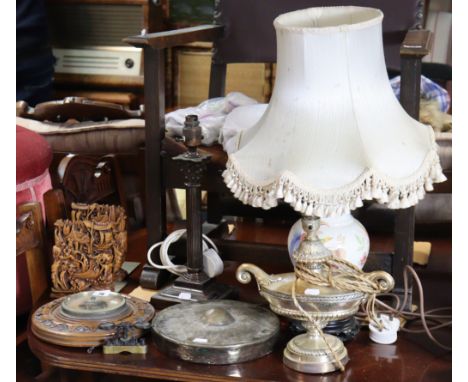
(216, 332)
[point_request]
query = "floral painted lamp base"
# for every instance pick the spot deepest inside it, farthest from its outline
(345, 236)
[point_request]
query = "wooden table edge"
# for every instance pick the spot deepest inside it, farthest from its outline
(128, 370)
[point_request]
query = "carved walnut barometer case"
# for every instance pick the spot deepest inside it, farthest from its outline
(82, 319)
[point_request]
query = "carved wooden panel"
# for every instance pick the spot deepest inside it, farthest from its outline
(89, 249)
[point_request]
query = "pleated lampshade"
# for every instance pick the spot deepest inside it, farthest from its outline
(334, 134)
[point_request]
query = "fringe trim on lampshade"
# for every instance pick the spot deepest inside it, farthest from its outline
(395, 193)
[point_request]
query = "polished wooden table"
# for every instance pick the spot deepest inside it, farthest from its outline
(411, 359)
(404, 361)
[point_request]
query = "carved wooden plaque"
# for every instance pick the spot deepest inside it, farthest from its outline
(89, 249)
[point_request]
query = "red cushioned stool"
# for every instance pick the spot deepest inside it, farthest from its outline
(33, 157)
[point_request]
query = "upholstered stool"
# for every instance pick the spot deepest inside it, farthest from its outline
(33, 157)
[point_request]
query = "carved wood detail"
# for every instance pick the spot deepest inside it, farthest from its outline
(88, 179)
(29, 240)
(89, 249)
(25, 238)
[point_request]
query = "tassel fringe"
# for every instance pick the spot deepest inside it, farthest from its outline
(395, 194)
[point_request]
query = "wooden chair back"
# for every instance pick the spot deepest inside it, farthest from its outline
(249, 35)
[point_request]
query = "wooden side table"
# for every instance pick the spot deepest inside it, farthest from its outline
(411, 358)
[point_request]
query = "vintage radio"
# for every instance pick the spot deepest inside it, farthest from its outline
(87, 35)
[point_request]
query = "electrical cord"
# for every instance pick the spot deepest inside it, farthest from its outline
(213, 264)
(440, 320)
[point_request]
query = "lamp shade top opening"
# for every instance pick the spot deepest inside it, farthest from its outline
(333, 134)
(329, 19)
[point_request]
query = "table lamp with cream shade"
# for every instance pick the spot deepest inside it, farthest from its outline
(334, 133)
(332, 136)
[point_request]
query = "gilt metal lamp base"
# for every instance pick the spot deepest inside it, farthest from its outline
(308, 353)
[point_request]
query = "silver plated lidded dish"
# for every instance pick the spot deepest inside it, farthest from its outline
(216, 332)
(313, 351)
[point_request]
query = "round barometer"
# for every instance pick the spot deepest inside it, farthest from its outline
(77, 320)
(94, 304)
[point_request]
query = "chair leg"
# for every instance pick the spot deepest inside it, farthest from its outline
(404, 245)
(35, 258)
(155, 214)
(20, 338)
(410, 93)
(48, 373)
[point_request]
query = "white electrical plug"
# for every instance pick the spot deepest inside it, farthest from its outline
(387, 334)
(212, 263)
